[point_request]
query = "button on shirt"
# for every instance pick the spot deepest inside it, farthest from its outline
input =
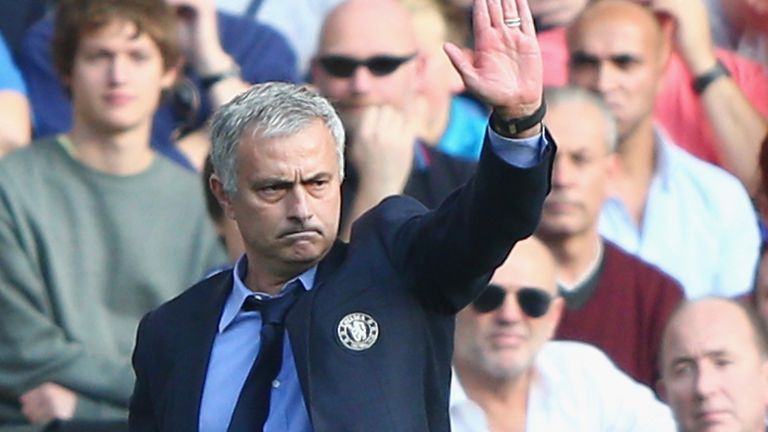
(237, 342)
(698, 225)
(234, 350)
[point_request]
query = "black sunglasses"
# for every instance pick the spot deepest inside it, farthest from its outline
(533, 301)
(345, 67)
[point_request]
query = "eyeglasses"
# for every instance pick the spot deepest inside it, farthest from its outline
(533, 301)
(345, 67)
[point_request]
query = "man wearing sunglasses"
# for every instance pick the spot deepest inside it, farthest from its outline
(510, 376)
(369, 66)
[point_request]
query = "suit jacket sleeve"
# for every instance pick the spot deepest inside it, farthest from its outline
(450, 252)
(141, 413)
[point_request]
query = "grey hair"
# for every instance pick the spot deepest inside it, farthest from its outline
(558, 95)
(271, 110)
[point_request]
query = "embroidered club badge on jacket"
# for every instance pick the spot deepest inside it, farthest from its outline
(358, 331)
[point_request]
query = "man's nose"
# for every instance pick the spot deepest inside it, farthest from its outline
(361, 80)
(299, 206)
(117, 70)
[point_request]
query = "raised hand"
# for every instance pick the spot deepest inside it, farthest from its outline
(505, 69)
(383, 149)
(198, 27)
(693, 37)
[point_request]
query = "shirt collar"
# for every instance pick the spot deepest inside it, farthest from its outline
(465, 413)
(240, 291)
(664, 149)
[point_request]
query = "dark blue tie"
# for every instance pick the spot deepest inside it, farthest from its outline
(252, 406)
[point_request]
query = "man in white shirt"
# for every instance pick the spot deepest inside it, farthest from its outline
(509, 376)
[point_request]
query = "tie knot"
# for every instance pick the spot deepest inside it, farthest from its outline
(273, 309)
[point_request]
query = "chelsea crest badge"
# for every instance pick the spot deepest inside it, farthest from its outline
(358, 331)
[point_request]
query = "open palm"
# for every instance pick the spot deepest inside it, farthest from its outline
(505, 69)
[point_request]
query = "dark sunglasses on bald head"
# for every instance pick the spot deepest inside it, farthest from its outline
(345, 67)
(534, 302)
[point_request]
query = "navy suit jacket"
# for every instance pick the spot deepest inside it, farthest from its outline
(408, 268)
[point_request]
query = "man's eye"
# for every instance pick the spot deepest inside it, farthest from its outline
(625, 62)
(682, 369)
(580, 61)
(721, 363)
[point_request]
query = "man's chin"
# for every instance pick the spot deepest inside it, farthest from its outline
(305, 254)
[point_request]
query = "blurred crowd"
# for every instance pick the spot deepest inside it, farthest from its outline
(651, 239)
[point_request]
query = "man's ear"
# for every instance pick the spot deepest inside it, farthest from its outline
(661, 389)
(315, 70)
(222, 196)
(170, 76)
(764, 380)
(614, 162)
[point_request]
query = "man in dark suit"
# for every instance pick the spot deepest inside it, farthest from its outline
(369, 338)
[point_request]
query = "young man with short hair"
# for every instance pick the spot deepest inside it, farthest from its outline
(95, 228)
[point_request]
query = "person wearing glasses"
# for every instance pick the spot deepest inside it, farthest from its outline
(369, 65)
(309, 333)
(613, 300)
(510, 376)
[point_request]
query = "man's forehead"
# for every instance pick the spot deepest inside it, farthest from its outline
(377, 27)
(710, 327)
(122, 31)
(630, 24)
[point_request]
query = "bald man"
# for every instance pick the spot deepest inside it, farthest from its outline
(509, 376)
(689, 218)
(370, 66)
(714, 367)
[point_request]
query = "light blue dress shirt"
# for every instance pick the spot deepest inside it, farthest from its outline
(234, 350)
(698, 225)
(237, 342)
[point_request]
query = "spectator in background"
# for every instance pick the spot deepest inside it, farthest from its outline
(742, 26)
(691, 219)
(299, 21)
(369, 65)
(714, 367)
(452, 123)
(723, 124)
(223, 53)
(612, 299)
(15, 124)
(95, 228)
(510, 376)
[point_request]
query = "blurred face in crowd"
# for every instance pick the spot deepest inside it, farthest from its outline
(443, 80)
(581, 171)
(617, 50)
(502, 343)
(714, 377)
(288, 198)
(379, 34)
(117, 77)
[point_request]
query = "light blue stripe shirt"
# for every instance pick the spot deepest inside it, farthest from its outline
(237, 342)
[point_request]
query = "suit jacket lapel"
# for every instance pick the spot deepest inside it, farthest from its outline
(203, 326)
(298, 320)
